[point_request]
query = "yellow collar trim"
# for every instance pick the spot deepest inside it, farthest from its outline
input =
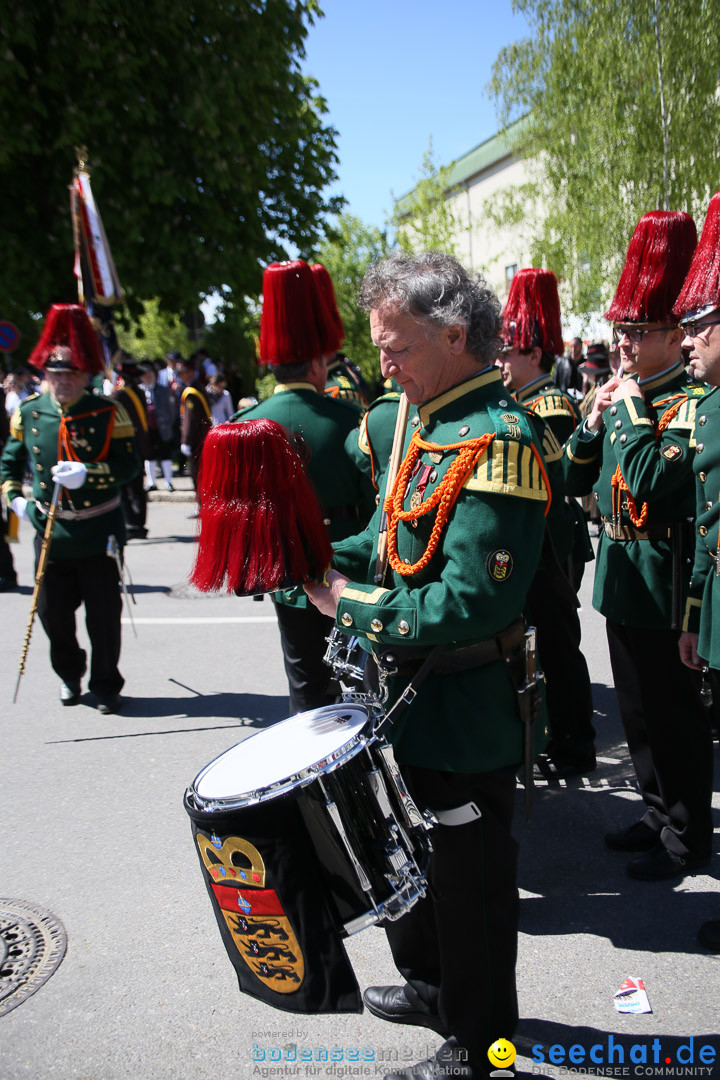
(537, 384)
(281, 387)
(654, 381)
(485, 379)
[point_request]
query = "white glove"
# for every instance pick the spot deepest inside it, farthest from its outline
(187, 450)
(71, 474)
(19, 507)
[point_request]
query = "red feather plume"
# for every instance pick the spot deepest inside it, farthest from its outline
(68, 326)
(295, 326)
(701, 289)
(532, 312)
(335, 331)
(656, 264)
(261, 524)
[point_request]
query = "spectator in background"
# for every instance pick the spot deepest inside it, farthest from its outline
(16, 390)
(161, 412)
(567, 373)
(204, 364)
(221, 406)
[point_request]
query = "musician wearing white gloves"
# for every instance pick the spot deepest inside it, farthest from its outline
(83, 445)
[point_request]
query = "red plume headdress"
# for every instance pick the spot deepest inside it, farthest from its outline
(532, 312)
(701, 292)
(657, 261)
(68, 342)
(323, 282)
(295, 326)
(261, 524)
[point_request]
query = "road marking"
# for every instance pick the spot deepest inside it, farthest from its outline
(211, 619)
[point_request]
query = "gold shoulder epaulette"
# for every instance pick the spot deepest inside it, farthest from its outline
(552, 450)
(509, 467)
(123, 428)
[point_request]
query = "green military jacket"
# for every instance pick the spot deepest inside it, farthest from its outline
(95, 430)
(634, 578)
(370, 446)
(702, 613)
(473, 585)
(324, 424)
(566, 521)
(344, 381)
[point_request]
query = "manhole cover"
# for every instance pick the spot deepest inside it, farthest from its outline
(32, 945)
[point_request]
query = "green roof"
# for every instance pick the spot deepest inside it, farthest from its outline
(481, 157)
(486, 153)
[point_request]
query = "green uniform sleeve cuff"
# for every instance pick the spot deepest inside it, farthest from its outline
(377, 614)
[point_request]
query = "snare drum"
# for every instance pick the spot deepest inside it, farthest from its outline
(327, 769)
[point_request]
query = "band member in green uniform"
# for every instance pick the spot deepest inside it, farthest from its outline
(195, 417)
(344, 379)
(132, 398)
(532, 333)
(85, 443)
(635, 450)
(466, 518)
(296, 338)
(698, 308)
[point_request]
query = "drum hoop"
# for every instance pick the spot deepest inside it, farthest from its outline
(280, 788)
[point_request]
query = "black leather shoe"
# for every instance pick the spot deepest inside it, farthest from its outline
(660, 864)
(449, 1062)
(709, 936)
(70, 692)
(560, 768)
(108, 703)
(7, 584)
(638, 837)
(390, 1003)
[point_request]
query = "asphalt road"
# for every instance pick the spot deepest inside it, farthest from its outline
(94, 831)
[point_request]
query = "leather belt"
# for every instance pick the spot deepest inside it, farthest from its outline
(503, 644)
(617, 531)
(80, 515)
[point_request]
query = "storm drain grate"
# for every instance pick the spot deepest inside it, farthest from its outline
(32, 945)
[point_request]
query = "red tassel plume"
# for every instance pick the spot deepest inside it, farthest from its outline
(532, 312)
(67, 326)
(261, 524)
(335, 331)
(656, 264)
(295, 326)
(702, 285)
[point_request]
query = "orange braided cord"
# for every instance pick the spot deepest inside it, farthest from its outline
(618, 481)
(543, 472)
(443, 497)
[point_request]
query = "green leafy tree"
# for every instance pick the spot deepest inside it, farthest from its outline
(623, 117)
(424, 219)
(349, 250)
(153, 334)
(207, 146)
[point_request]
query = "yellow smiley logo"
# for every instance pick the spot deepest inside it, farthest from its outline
(502, 1053)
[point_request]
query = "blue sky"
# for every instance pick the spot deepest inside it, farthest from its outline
(394, 74)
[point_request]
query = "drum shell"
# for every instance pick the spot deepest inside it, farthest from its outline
(320, 978)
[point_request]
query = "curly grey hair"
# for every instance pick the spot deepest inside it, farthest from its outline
(436, 288)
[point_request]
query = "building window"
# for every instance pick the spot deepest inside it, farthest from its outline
(510, 272)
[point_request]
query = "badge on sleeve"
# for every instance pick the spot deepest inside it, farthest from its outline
(499, 565)
(671, 452)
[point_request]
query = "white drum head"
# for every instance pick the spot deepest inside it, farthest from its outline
(282, 753)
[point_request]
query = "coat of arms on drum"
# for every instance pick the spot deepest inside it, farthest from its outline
(255, 918)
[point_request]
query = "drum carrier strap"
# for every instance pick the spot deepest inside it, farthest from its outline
(516, 645)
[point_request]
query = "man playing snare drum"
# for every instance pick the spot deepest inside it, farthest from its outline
(464, 529)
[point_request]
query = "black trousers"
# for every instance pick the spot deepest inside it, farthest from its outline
(7, 567)
(668, 735)
(94, 582)
(552, 608)
(302, 634)
(134, 503)
(457, 948)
